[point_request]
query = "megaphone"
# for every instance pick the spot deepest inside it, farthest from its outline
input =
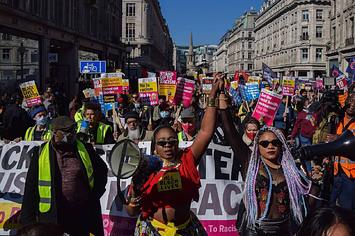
(343, 146)
(126, 161)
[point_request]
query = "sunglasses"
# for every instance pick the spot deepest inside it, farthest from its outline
(275, 143)
(165, 142)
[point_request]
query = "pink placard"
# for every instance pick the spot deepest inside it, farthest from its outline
(267, 106)
(184, 91)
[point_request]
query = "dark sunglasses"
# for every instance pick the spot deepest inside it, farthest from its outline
(275, 143)
(165, 142)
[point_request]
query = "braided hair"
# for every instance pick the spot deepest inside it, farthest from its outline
(297, 183)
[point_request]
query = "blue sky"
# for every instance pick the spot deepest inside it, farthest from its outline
(208, 20)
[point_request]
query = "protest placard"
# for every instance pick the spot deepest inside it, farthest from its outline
(217, 208)
(184, 91)
(167, 84)
(254, 79)
(148, 91)
(249, 91)
(319, 83)
(236, 98)
(30, 93)
(288, 86)
(207, 85)
(267, 106)
(112, 85)
(341, 82)
(234, 84)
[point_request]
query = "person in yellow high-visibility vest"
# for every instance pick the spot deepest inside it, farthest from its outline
(65, 182)
(98, 132)
(41, 131)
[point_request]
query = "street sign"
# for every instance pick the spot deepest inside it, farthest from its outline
(92, 67)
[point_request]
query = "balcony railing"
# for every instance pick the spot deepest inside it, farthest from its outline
(349, 41)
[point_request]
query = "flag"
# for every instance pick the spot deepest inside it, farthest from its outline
(336, 72)
(268, 74)
(351, 69)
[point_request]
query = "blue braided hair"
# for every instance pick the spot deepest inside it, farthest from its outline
(298, 184)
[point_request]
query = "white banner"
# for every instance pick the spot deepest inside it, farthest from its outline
(217, 208)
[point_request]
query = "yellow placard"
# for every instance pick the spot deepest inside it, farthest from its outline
(111, 82)
(170, 181)
(147, 85)
(8, 216)
(29, 90)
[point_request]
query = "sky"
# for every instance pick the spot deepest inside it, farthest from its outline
(208, 20)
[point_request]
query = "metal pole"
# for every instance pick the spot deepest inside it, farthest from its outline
(22, 52)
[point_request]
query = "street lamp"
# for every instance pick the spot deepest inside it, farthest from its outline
(22, 51)
(129, 49)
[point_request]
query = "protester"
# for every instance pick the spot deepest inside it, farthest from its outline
(41, 131)
(344, 169)
(97, 131)
(328, 221)
(283, 117)
(164, 207)
(16, 120)
(252, 127)
(188, 125)
(135, 131)
(275, 190)
(64, 183)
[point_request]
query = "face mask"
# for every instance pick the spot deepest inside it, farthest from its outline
(164, 114)
(188, 128)
(250, 135)
(42, 121)
(137, 105)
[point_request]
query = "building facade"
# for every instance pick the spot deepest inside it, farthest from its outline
(52, 34)
(291, 37)
(203, 55)
(342, 33)
(180, 59)
(240, 46)
(146, 32)
(221, 55)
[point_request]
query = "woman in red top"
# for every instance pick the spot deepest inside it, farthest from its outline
(165, 198)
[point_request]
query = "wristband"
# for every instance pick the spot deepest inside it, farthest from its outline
(212, 102)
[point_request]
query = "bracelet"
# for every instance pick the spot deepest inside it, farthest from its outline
(211, 102)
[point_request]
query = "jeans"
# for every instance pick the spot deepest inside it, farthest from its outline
(343, 192)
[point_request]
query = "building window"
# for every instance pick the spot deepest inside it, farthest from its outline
(249, 45)
(130, 31)
(319, 31)
(6, 36)
(305, 33)
(250, 34)
(305, 15)
(242, 66)
(249, 55)
(304, 55)
(242, 45)
(319, 54)
(319, 14)
(250, 67)
(131, 9)
(6, 54)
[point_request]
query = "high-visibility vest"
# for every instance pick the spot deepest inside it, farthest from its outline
(347, 166)
(101, 132)
(45, 179)
(79, 115)
(29, 136)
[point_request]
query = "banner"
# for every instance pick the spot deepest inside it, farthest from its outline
(217, 208)
(288, 86)
(268, 74)
(207, 85)
(167, 84)
(148, 91)
(267, 106)
(249, 91)
(30, 93)
(184, 91)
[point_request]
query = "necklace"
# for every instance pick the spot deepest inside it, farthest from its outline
(167, 163)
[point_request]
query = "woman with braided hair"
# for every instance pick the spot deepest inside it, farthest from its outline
(275, 189)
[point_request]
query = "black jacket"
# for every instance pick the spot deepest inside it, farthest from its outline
(15, 122)
(30, 205)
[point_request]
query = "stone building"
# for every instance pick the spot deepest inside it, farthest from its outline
(291, 37)
(59, 30)
(146, 32)
(342, 33)
(221, 55)
(240, 46)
